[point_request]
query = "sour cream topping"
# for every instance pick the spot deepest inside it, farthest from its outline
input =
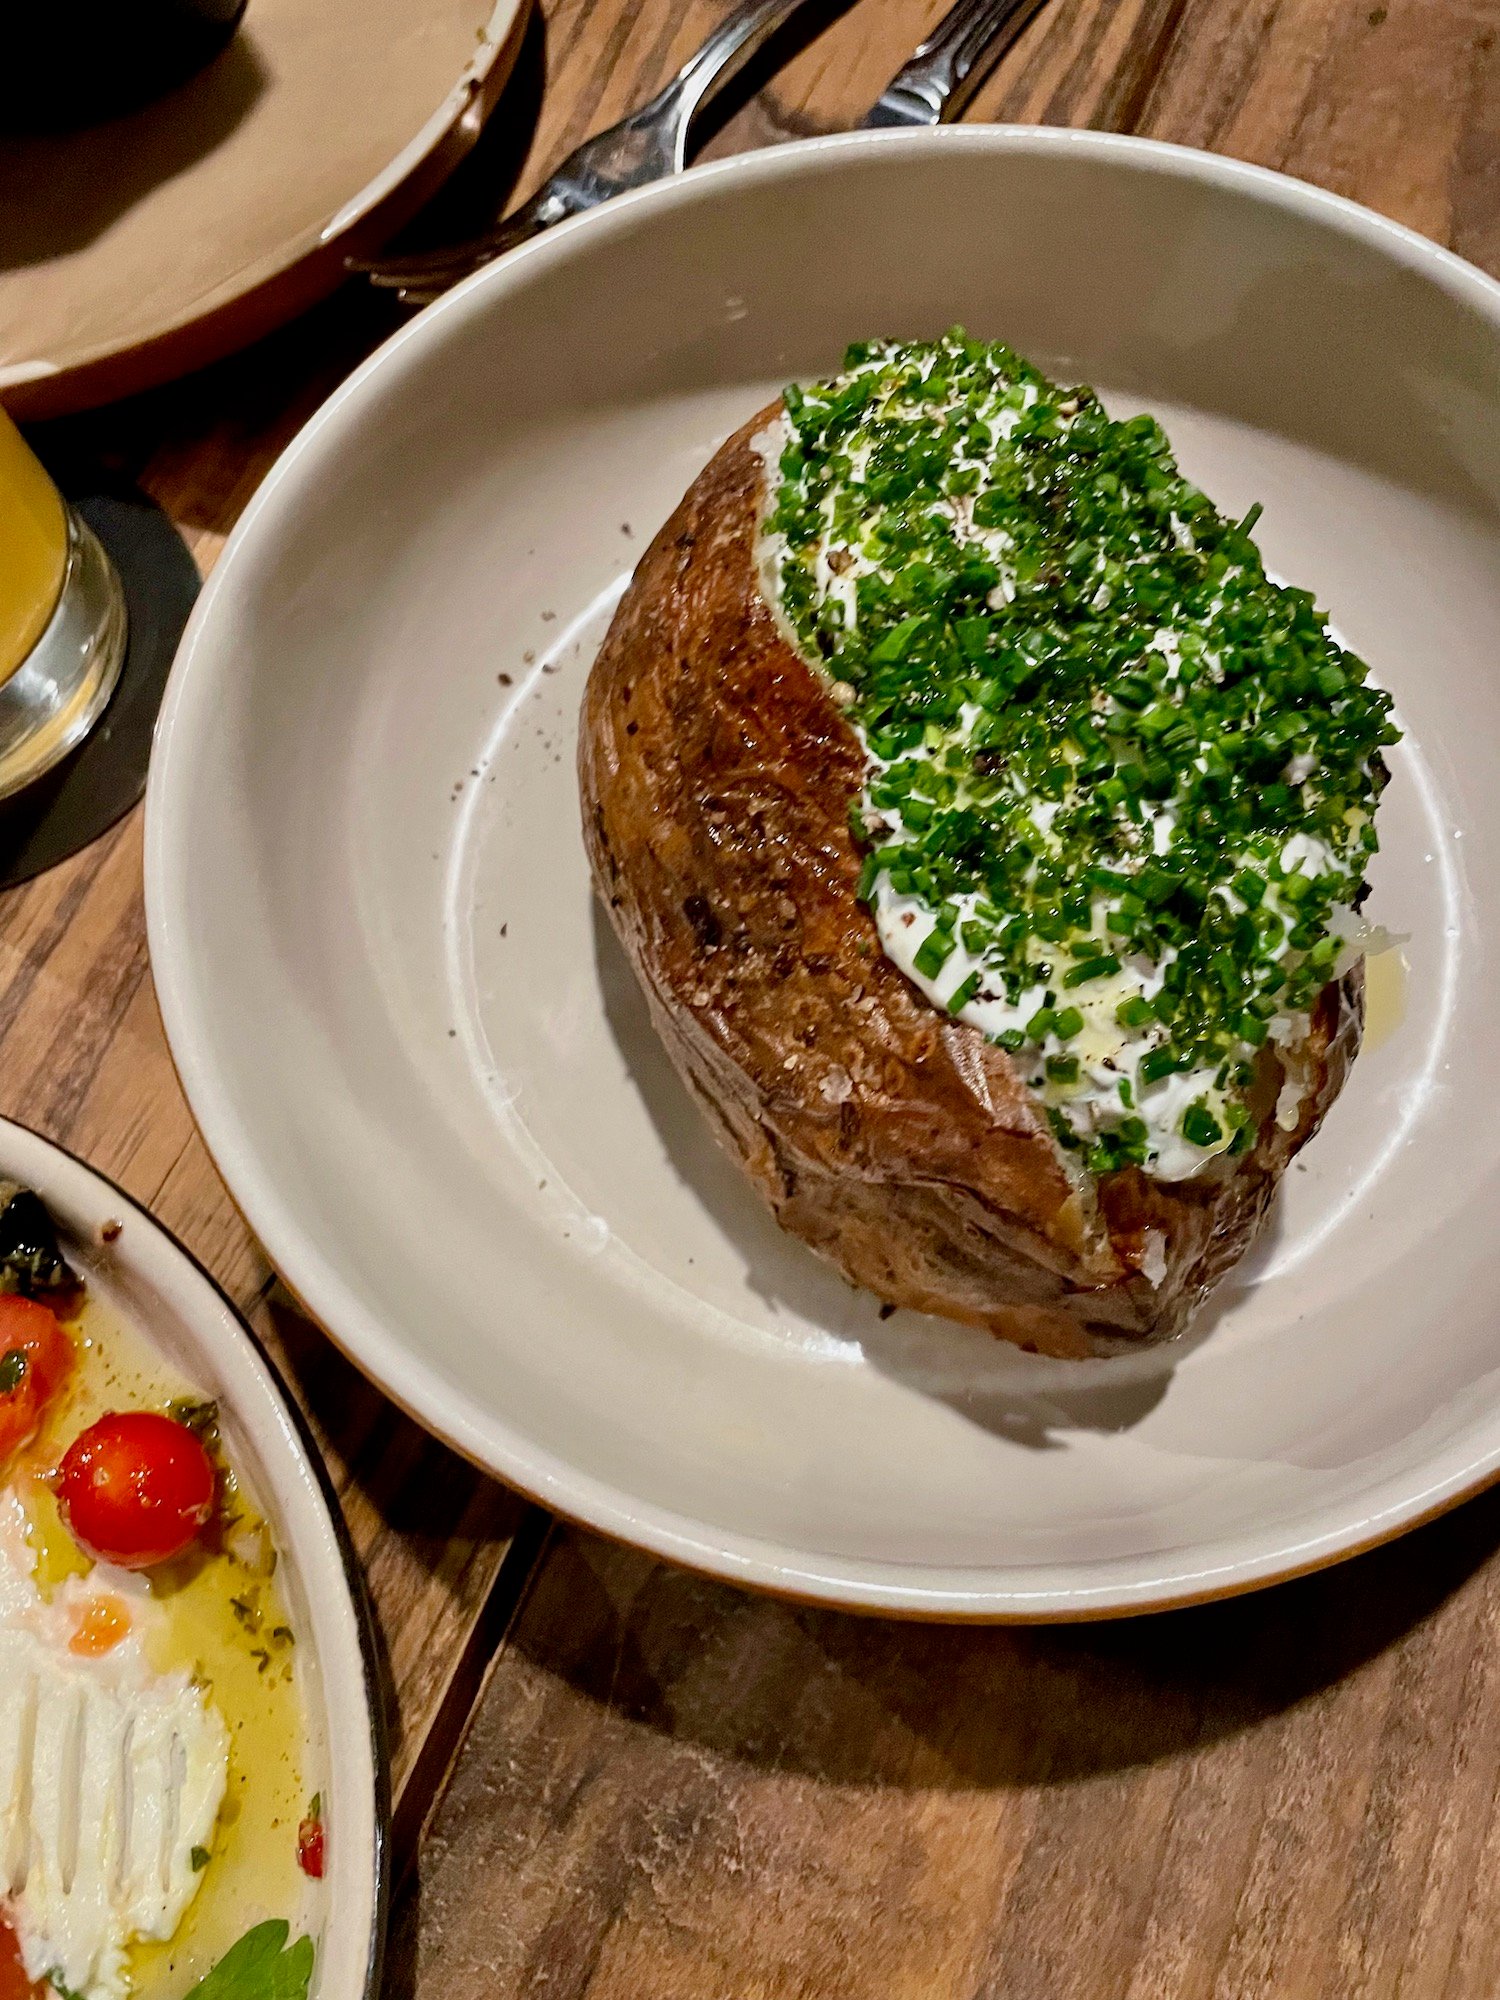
(1098, 1072)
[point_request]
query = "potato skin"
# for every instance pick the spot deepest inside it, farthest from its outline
(716, 776)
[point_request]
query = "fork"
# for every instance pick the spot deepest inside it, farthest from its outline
(651, 142)
(648, 144)
(950, 64)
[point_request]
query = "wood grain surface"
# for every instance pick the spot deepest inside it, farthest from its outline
(658, 1786)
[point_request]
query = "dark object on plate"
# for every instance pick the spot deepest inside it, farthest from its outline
(30, 1261)
(717, 776)
(73, 62)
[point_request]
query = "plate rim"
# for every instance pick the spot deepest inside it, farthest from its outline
(1227, 1567)
(14, 1134)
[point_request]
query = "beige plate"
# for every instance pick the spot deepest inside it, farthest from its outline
(148, 1280)
(140, 248)
(428, 1077)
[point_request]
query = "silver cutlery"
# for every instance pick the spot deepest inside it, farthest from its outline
(950, 63)
(650, 143)
(647, 144)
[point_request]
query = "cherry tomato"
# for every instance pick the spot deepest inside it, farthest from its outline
(14, 1985)
(35, 1358)
(310, 1847)
(136, 1488)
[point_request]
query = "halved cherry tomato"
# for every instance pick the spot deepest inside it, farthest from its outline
(136, 1488)
(310, 1847)
(36, 1356)
(14, 1985)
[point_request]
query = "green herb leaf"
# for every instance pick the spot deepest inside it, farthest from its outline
(261, 1966)
(199, 1414)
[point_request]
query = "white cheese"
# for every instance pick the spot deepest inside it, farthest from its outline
(110, 1776)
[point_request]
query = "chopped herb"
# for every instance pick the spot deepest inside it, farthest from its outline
(198, 1859)
(936, 949)
(1099, 737)
(198, 1414)
(14, 1365)
(1091, 968)
(1200, 1126)
(1157, 1063)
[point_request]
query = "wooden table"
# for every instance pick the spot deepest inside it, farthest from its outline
(617, 1780)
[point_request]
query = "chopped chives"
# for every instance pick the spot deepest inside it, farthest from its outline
(1200, 1127)
(934, 953)
(1091, 968)
(1093, 725)
(1157, 1063)
(964, 992)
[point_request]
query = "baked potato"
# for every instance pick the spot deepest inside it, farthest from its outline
(733, 817)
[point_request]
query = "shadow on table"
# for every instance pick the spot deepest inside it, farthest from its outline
(856, 1700)
(656, 1760)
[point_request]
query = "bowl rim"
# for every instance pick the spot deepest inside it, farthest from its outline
(58, 1174)
(1091, 1589)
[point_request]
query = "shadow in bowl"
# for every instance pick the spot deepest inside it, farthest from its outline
(1022, 1397)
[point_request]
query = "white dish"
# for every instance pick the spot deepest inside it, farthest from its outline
(400, 1023)
(145, 1278)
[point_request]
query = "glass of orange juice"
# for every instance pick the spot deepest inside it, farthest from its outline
(62, 620)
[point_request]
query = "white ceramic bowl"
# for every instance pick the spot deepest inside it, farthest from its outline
(148, 1280)
(425, 1072)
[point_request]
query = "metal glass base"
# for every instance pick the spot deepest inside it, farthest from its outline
(58, 693)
